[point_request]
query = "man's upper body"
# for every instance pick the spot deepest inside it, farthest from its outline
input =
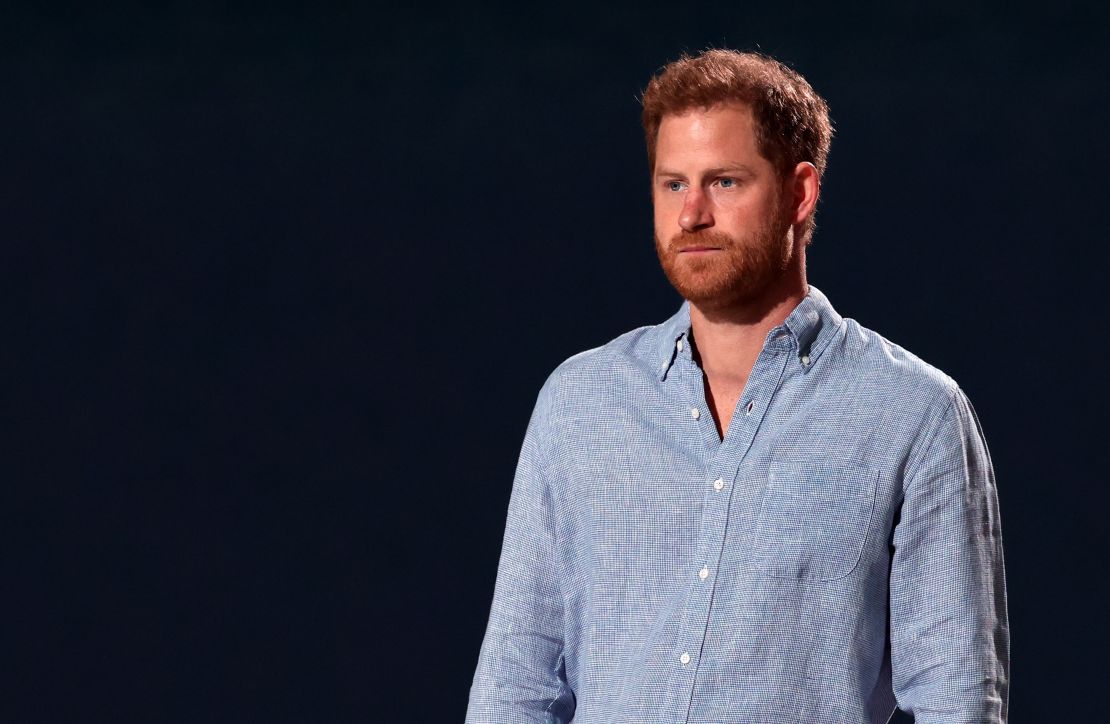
(839, 550)
(757, 511)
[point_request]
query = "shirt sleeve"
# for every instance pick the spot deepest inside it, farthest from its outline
(521, 674)
(949, 627)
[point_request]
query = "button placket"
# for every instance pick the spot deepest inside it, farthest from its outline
(722, 457)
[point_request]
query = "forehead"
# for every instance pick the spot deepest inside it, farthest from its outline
(722, 130)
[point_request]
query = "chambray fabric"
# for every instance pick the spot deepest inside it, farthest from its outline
(838, 554)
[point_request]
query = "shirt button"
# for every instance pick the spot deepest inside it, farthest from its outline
(695, 413)
(679, 345)
(805, 359)
(685, 658)
(703, 573)
(718, 484)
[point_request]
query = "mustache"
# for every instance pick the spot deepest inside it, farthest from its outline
(684, 240)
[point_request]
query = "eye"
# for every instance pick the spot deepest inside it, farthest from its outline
(674, 185)
(727, 183)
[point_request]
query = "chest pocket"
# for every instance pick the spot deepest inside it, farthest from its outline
(814, 520)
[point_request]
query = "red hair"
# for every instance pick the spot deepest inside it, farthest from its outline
(791, 120)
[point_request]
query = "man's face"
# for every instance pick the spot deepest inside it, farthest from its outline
(722, 231)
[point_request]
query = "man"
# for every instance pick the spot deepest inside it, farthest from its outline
(758, 511)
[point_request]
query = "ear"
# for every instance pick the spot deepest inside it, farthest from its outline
(804, 188)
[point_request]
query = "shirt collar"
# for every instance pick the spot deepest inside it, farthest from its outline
(809, 328)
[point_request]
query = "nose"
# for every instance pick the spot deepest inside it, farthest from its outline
(695, 211)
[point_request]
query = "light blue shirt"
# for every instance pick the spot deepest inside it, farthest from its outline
(837, 554)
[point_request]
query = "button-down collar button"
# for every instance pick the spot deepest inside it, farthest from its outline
(685, 658)
(679, 345)
(805, 359)
(695, 413)
(703, 573)
(718, 484)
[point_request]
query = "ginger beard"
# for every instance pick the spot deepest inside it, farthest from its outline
(740, 273)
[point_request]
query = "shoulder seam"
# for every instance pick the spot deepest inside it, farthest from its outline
(911, 470)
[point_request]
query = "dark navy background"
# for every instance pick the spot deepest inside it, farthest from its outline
(282, 285)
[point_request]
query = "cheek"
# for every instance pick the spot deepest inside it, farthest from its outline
(666, 207)
(660, 212)
(750, 212)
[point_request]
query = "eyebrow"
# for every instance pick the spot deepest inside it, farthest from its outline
(727, 168)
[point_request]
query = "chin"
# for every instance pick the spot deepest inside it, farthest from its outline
(724, 293)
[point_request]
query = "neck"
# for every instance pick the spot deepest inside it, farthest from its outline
(728, 338)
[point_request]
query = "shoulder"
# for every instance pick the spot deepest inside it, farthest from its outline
(633, 348)
(888, 369)
(624, 364)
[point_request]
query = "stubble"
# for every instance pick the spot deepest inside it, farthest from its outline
(738, 274)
